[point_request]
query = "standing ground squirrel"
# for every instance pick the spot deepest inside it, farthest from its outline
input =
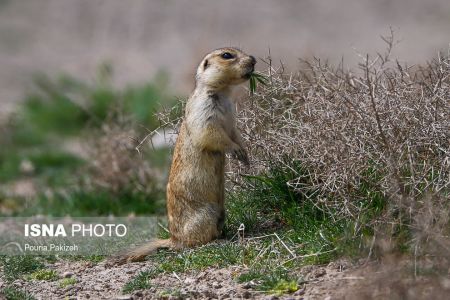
(195, 192)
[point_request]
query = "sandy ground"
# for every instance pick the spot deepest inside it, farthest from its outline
(142, 37)
(105, 282)
(342, 279)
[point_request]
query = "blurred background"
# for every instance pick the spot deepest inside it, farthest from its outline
(86, 83)
(81, 81)
(141, 38)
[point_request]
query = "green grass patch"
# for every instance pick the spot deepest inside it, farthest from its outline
(94, 258)
(15, 267)
(21, 134)
(54, 113)
(171, 294)
(272, 206)
(51, 161)
(52, 166)
(313, 232)
(269, 204)
(274, 281)
(13, 293)
(140, 282)
(212, 255)
(44, 274)
(242, 209)
(99, 202)
(9, 166)
(65, 282)
(283, 286)
(65, 106)
(163, 231)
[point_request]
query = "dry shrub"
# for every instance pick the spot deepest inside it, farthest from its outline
(387, 125)
(116, 165)
(375, 138)
(381, 131)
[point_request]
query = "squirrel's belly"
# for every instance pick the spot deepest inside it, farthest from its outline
(201, 178)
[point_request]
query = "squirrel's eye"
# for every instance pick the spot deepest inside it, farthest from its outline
(227, 55)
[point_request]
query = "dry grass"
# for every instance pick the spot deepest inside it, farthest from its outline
(116, 165)
(341, 125)
(380, 131)
(377, 137)
(387, 126)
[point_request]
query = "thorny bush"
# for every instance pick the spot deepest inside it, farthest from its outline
(380, 133)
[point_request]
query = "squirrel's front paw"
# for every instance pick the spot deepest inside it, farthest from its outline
(241, 155)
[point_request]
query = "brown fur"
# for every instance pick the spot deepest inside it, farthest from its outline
(195, 192)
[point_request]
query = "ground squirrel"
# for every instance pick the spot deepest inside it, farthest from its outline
(195, 192)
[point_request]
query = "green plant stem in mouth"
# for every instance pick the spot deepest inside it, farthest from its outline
(256, 78)
(248, 75)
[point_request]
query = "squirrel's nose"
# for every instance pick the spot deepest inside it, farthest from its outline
(253, 60)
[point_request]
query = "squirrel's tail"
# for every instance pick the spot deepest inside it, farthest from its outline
(139, 253)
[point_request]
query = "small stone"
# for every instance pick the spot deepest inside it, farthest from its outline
(251, 284)
(319, 272)
(67, 274)
(300, 292)
(17, 283)
(201, 275)
(189, 280)
(246, 295)
(123, 297)
(67, 289)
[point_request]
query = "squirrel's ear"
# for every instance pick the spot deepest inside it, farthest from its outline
(205, 64)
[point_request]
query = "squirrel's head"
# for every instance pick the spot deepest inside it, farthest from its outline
(224, 67)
